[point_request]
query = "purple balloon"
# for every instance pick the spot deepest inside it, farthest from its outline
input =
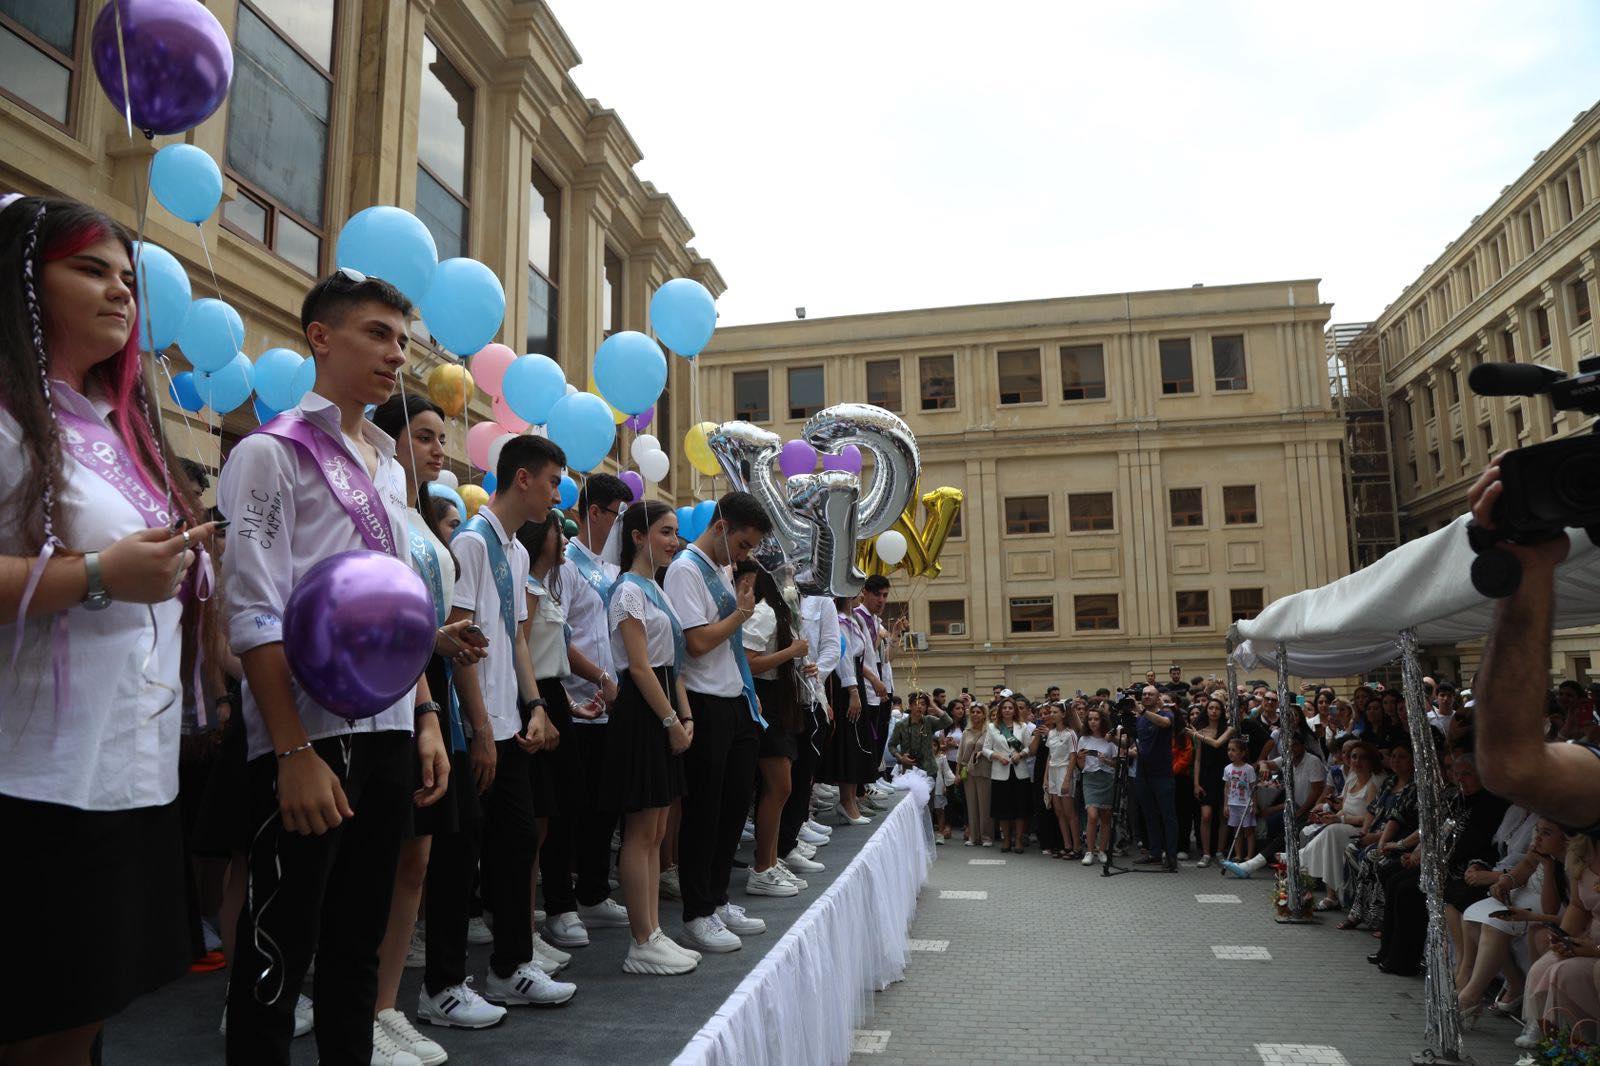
(797, 457)
(180, 63)
(849, 458)
(635, 483)
(358, 631)
(641, 421)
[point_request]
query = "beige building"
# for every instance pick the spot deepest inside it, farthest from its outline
(1518, 285)
(1139, 469)
(463, 112)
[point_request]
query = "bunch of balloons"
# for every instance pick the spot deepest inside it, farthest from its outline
(911, 547)
(696, 519)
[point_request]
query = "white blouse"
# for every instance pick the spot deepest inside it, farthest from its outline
(850, 629)
(447, 565)
(628, 600)
(761, 635)
(547, 633)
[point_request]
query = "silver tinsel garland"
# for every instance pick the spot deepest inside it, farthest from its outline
(1290, 720)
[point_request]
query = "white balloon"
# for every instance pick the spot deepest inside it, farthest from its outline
(448, 479)
(571, 388)
(891, 546)
(494, 450)
(654, 465)
(644, 442)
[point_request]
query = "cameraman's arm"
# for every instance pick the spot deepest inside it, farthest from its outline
(1558, 780)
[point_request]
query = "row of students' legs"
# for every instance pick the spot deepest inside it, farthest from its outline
(639, 870)
(451, 864)
(798, 806)
(408, 880)
(775, 783)
(510, 842)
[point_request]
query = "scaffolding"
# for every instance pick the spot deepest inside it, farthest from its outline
(1355, 378)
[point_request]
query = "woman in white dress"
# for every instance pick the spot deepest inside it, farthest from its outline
(1062, 742)
(1494, 930)
(1324, 856)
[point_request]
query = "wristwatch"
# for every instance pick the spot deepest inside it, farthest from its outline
(429, 707)
(529, 706)
(669, 721)
(97, 598)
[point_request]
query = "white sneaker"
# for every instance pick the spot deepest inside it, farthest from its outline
(736, 921)
(811, 839)
(794, 879)
(567, 930)
(1100, 857)
(478, 931)
(656, 957)
(543, 949)
(1183, 856)
(549, 967)
(670, 888)
(417, 953)
(690, 952)
(1088, 858)
(801, 863)
(386, 1052)
(748, 834)
(458, 1007)
(808, 850)
(529, 986)
(1205, 861)
(607, 914)
(404, 1034)
(988, 843)
(839, 813)
(709, 934)
(818, 828)
(769, 882)
(826, 793)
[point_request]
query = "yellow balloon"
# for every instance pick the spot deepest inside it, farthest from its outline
(474, 497)
(698, 450)
(450, 386)
(616, 416)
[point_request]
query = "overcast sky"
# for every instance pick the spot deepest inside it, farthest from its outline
(875, 155)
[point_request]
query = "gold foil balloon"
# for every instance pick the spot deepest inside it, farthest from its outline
(924, 545)
(450, 386)
(474, 497)
(697, 449)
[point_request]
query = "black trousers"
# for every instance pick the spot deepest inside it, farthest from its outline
(1188, 810)
(801, 771)
(452, 864)
(561, 827)
(720, 771)
(1405, 918)
(510, 839)
(591, 844)
(327, 895)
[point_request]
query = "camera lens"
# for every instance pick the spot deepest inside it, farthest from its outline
(1576, 480)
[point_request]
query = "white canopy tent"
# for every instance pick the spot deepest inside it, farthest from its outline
(1353, 624)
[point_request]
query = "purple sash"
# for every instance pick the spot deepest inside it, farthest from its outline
(347, 481)
(97, 448)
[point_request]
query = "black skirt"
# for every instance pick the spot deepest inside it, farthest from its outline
(874, 730)
(1011, 799)
(222, 826)
(640, 773)
(559, 776)
(776, 741)
(841, 755)
(93, 912)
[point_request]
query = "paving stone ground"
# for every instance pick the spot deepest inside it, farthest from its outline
(1059, 964)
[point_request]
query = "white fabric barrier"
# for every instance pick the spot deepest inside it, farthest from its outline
(802, 1002)
(1352, 624)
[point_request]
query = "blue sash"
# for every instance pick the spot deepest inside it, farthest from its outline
(726, 604)
(590, 571)
(429, 567)
(499, 567)
(652, 592)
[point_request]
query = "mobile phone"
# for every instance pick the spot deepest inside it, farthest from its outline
(474, 630)
(1503, 915)
(1560, 934)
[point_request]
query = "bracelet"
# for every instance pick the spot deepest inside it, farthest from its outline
(669, 721)
(295, 751)
(428, 707)
(532, 705)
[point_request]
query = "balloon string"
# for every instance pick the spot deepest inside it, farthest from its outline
(151, 404)
(122, 60)
(194, 443)
(216, 286)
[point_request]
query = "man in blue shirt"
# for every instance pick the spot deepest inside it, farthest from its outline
(1154, 729)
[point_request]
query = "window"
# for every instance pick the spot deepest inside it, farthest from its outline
(1541, 326)
(544, 258)
(883, 383)
(750, 397)
(1227, 363)
(1427, 402)
(39, 55)
(1239, 505)
(1486, 432)
(1187, 507)
(1508, 345)
(278, 112)
(611, 294)
(1033, 614)
(1027, 514)
(1083, 372)
(1433, 462)
(1411, 468)
(1194, 610)
(955, 526)
(1461, 452)
(1452, 383)
(805, 391)
(945, 616)
(1090, 512)
(1020, 377)
(444, 139)
(1580, 301)
(937, 380)
(1246, 603)
(1517, 423)
(1177, 367)
(1095, 612)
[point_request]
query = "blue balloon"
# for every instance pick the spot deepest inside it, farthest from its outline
(305, 379)
(264, 414)
(445, 494)
(228, 387)
(685, 522)
(164, 295)
(704, 512)
(490, 483)
(569, 492)
(630, 371)
(464, 306)
(392, 244)
(581, 425)
(276, 373)
(186, 181)
(211, 336)
(531, 386)
(684, 315)
(184, 394)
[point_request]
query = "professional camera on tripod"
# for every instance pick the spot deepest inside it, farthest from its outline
(1549, 487)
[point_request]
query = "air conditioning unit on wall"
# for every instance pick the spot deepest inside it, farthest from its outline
(957, 629)
(919, 641)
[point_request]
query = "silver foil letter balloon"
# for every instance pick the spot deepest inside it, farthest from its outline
(746, 454)
(828, 501)
(896, 461)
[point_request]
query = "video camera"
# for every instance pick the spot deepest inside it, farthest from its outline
(1548, 487)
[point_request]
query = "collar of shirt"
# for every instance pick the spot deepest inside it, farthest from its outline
(322, 413)
(494, 524)
(719, 569)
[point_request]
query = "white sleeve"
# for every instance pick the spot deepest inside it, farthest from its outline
(760, 629)
(472, 555)
(519, 578)
(626, 602)
(256, 493)
(686, 591)
(826, 655)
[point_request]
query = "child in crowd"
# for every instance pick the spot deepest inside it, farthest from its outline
(1239, 788)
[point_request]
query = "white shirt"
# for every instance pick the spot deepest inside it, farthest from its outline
(547, 634)
(850, 629)
(1309, 774)
(447, 566)
(869, 652)
(591, 635)
(1099, 748)
(476, 592)
(286, 520)
(819, 623)
(761, 636)
(716, 673)
(628, 600)
(115, 747)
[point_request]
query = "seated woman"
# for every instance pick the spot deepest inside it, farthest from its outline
(1324, 856)
(1393, 820)
(1495, 930)
(1561, 986)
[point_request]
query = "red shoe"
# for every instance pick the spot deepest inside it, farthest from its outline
(210, 962)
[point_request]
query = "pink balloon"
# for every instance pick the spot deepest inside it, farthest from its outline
(505, 416)
(479, 438)
(489, 367)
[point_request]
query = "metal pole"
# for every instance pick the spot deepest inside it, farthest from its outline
(1290, 715)
(1233, 687)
